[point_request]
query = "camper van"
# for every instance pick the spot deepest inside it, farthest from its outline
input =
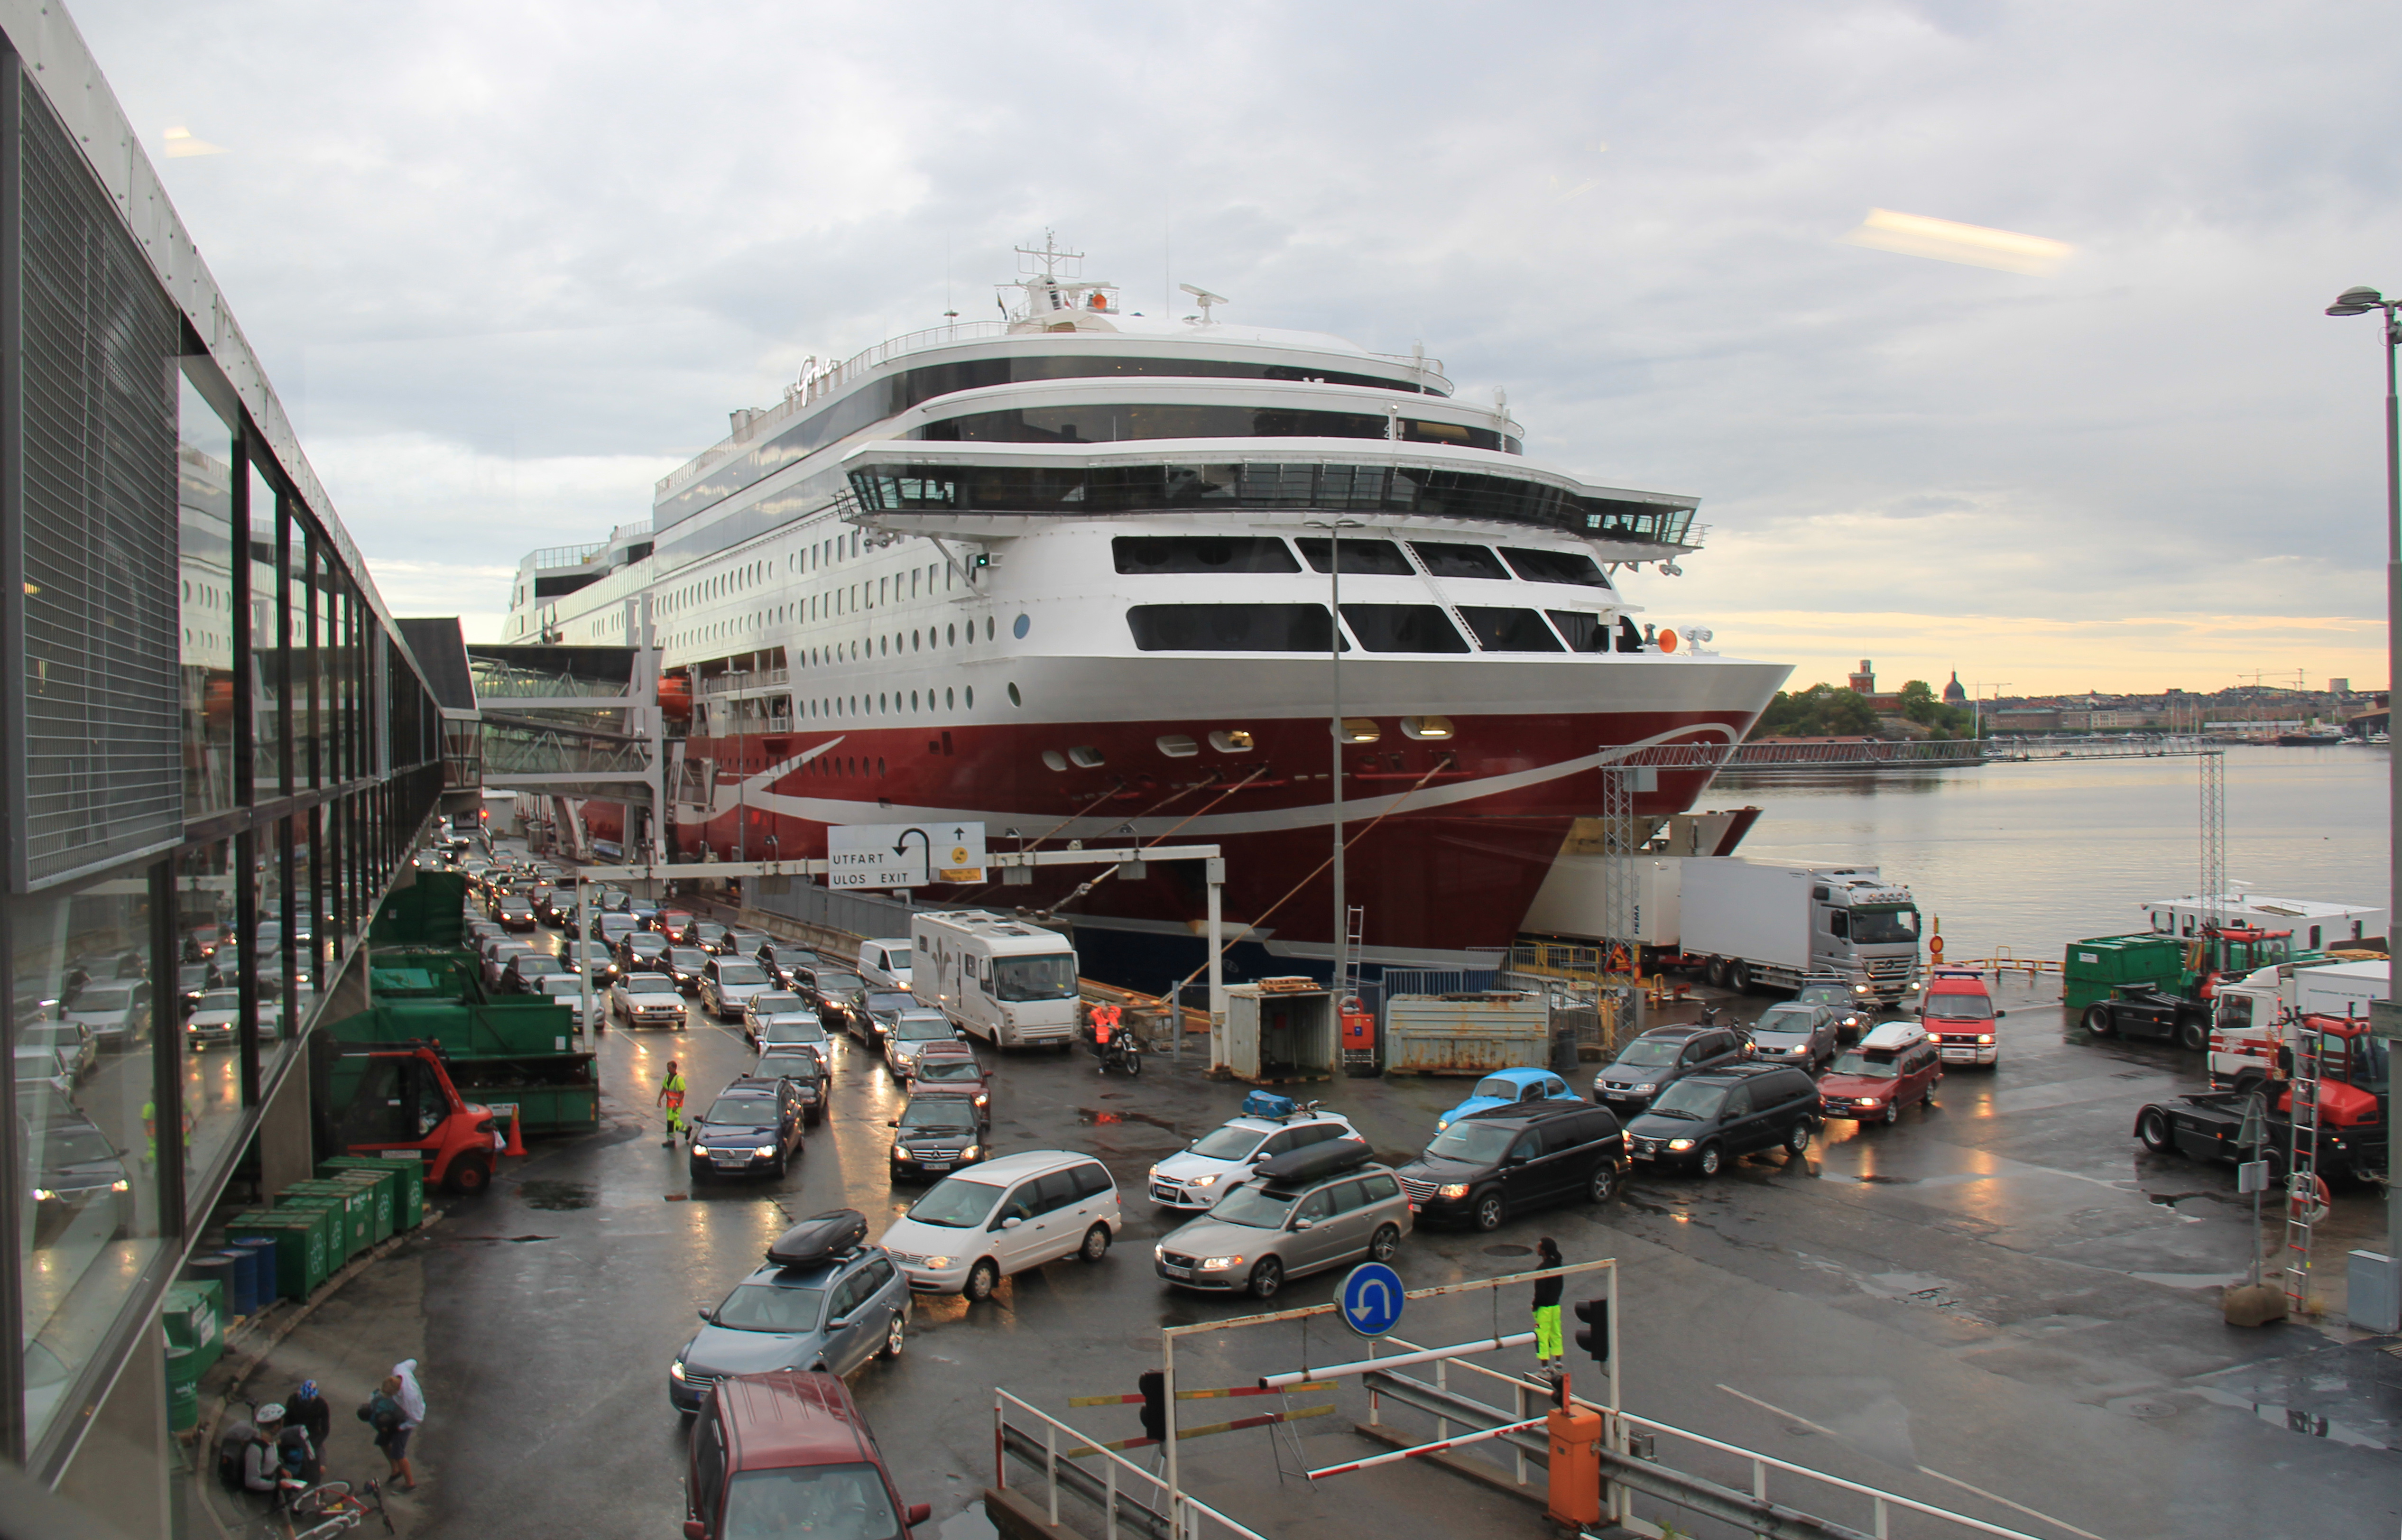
(1011, 983)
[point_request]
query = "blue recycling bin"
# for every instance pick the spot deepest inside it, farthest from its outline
(258, 1253)
(241, 1283)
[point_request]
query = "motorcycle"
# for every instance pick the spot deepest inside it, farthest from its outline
(1121, 1052)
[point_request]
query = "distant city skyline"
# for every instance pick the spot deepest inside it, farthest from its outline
(1989, 335)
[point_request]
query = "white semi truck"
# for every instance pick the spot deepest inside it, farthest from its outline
(1746, 923)
(1749, 923)
(2252, 1016)
(1011, 983)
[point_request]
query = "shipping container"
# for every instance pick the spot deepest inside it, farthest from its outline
(1466, 1034)
(1275, 1033)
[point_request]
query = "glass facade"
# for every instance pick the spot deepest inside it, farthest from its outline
(220, 755)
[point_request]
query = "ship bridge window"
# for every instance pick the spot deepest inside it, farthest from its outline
(1231, 627)
(1501, 630)
(1403, 629)
(1554, 567)
(1364, 557)
(1445, 559)
(1202, 554)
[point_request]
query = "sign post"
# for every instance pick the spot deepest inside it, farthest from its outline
(868, 856)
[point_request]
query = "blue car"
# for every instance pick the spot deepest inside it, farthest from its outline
(1504, 1087)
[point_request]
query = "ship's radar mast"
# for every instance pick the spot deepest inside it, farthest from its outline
(1054, 295)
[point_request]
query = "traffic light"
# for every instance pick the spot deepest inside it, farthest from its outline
(1592, 1335)
(1154, 1386)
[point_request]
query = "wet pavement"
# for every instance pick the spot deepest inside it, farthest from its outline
(2001, 1294)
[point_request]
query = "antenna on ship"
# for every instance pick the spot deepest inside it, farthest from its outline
(1206, 300)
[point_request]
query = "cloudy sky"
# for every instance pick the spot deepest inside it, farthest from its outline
(508, 263)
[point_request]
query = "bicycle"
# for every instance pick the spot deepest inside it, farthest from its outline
(329, 1508)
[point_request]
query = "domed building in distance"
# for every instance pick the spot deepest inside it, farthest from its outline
(1953, 693)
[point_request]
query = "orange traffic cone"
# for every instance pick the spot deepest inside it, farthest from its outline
(517, 1138)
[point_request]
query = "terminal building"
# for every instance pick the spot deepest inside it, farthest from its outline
(219, 752)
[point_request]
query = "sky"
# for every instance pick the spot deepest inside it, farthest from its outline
(508, 265)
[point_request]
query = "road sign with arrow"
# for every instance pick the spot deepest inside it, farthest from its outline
(903, 855)
(1372, 1298)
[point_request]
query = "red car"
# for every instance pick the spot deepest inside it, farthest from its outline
(676, 925)
(1893, 1066)
(787, 1453)
(1958, 1012)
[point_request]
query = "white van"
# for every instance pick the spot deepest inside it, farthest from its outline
(1011, 983)
(885, 964)
(971, 1230)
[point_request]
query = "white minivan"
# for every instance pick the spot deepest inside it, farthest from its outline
(971, 1230)
(885, 964)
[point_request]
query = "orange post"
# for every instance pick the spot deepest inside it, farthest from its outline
(1575, 1497)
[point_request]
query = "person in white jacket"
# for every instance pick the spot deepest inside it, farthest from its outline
(411, 1398)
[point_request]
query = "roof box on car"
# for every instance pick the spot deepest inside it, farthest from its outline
(1315, 1162)
(819, 1240)
(1267, 1104)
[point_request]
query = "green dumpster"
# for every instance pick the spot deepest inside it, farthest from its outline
(302, 1250)
(2092, 968)
(334, 1209)
(378, 1186)
(358, 1208)
(194, 1316)
(182, 1389)
(408, 1184)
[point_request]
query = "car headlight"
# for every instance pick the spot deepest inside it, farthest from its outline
(675, 1369)
(1647, 1090)
(1864, 1101)
(1442, 1123)
(901, 1152)
(939, 1261)
(1220, 1264)
(983, 1098)
(1859, 989)
(1210, 1181)
(765, 1152)
(1680, 1144)
(970, 1153)
(120, 1185)
(1985, 1038)
(43, 1195)
(1452, 1190)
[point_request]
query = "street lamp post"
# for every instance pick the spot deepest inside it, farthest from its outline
(1334, 527)
(2361, 300)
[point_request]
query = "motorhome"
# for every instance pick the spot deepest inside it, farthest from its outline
(1005, 981)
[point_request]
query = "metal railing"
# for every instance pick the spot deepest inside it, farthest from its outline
(1757, 1467)
(565, 555)
(862, 915)
(757, 679)
(1050, 1447)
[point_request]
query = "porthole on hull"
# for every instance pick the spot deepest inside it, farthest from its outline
(1176, 745)
(1231, 741)
(1426, 727)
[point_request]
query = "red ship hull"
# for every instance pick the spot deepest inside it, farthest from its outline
(1448, 842)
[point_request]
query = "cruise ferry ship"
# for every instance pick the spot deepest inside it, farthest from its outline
(1070, 573)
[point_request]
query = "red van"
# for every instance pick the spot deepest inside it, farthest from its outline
(1959, 1014)
(787, 1453)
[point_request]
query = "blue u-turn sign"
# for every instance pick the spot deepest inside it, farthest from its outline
(1371, 1299)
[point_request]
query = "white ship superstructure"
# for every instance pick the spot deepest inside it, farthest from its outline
(1071, 571)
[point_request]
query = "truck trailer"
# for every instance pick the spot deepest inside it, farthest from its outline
(1749, 923)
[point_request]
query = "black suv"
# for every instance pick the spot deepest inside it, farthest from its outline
(1493, 1163)
(752, 1127)
(1659, 1058)
(1704, 1121)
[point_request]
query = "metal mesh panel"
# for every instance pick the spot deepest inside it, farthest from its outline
(101, 778)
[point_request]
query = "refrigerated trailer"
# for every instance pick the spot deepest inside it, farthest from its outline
(1747, 922)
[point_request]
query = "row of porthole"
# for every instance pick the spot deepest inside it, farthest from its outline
(889, 704)
(918, 641)
(1236, 740)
